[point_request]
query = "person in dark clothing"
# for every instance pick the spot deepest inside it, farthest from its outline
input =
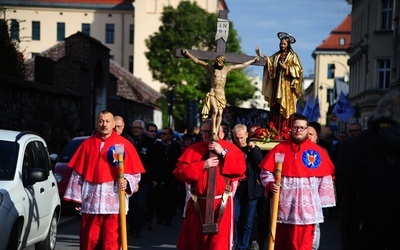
(368, 209)
(166, 193)
(145, 146)
(248, 191)
(319, 141)
(120, 128)
(151, 134)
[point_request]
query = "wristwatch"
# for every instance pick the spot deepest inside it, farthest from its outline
(223, 153)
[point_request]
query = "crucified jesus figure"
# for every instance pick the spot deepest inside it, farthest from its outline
(215, 99)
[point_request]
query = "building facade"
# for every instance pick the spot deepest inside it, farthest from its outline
(148, 12)
(122, 25)
(372, 54)
(39, 25)
(330, 66)
(258, 101)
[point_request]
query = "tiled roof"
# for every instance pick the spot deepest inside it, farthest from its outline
(91, 4)
(343, 31)
(137, 89)
(129, 86)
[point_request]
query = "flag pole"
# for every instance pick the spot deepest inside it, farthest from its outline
(119, 150)
(279, 157)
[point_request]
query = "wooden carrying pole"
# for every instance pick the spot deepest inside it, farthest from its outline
(275, 200)
(119, 150)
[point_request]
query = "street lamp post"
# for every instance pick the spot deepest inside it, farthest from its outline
(171, 98)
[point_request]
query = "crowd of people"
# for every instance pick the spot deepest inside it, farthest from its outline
(318, 179)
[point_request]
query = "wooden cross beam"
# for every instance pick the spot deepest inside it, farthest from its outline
(210, 226)
(221, 47)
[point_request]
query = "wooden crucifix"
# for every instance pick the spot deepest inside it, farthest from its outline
(215, 99)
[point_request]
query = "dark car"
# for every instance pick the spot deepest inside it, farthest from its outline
(61, 170)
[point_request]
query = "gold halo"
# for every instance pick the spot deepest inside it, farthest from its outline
(285, 34)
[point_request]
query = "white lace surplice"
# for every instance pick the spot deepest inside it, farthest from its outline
(301, 199)
(102, 198)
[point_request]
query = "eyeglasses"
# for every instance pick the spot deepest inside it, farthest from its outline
(152, 131)
(163, 133)
(354, 130)
(137, 127)
(299, 128)
(206, 131)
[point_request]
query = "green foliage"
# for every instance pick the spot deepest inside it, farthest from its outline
(191, 27)
(11, 60)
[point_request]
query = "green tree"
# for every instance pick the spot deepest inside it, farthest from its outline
(11, 60)
(191, 27)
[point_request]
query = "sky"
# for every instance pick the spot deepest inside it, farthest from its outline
(309, 21)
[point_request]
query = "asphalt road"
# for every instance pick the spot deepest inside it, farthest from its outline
(165, 237)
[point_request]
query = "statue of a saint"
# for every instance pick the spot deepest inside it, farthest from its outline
(282, 82)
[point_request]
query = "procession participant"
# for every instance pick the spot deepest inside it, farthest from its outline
(192, 168)
(306, 187)
(94, 184)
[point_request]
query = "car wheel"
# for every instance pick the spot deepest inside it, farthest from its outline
(15, 236)
(50, 242)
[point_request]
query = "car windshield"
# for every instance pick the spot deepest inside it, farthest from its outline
(69, 150)
(8, 159)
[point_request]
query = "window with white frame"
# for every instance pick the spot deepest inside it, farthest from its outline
(14, 31)
(131, 64)
(342, 41)
(109, 33)
(60, 31)
(86, 28)
(387, 15)
(383, 74)
(35, 30)
(131, 33)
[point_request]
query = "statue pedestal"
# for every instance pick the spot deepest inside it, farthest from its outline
(266, 145)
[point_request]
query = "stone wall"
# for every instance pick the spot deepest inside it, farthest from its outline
(67, 87)
(36, 107)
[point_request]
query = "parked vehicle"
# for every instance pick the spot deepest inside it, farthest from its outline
(29, 201)
(61, 170)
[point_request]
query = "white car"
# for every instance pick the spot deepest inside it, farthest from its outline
(29, 201)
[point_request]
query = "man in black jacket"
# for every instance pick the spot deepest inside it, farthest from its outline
(367, 175)
(248, 191)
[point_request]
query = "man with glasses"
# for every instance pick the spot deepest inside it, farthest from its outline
(355, 129)
(120, 126)
(193, 167)
(151, 130)
(306, 187)
(139, 201)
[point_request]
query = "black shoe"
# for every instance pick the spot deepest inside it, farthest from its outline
(167, 223)
(147, 226)
(159, 222)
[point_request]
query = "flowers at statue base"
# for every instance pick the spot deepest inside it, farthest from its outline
(268, 133)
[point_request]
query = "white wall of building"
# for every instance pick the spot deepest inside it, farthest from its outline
(121, 49)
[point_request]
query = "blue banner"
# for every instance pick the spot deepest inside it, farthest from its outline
(343, 108)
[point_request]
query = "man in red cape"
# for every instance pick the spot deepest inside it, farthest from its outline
(192, 168)
(94, 184)
(306, 187)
